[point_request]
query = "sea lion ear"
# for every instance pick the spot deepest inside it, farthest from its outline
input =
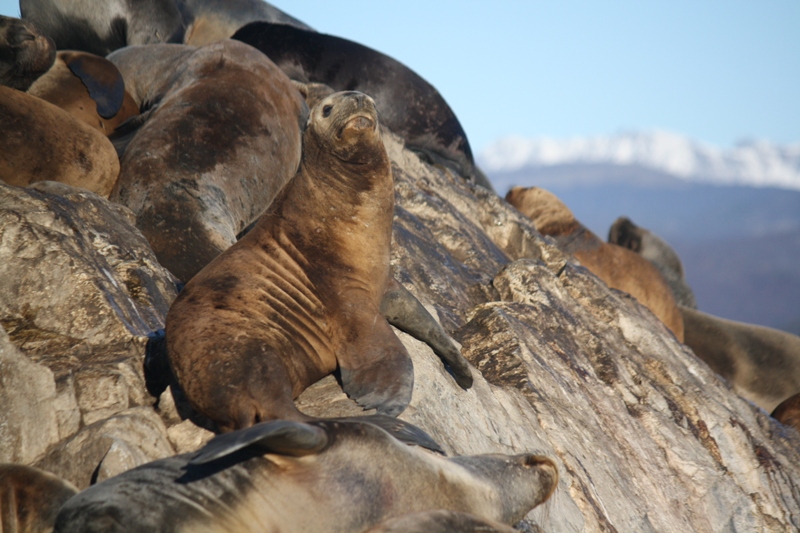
(102, 79)
(283, 437)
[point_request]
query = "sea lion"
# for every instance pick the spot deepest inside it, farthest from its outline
(656, 250)
(618, 267)
(788, 412)
(88, 87)
(323, 476)
(440, 521)
(30, 498)
(213, 20)
(299, 296)
(40, 142)
(408, 105)
(25, 53)
(762, 364)
(219, 136)
(102, 27)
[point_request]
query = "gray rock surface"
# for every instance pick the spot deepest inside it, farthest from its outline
(646, 436)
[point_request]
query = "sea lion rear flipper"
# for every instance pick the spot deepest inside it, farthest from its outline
(376, 370)
(285, 437)
(102, 79)
(405, 312)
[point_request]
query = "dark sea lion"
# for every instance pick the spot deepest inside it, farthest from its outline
(25, 53)
(88, 87)
(30, 498)
(324, 476)
(656, 250)
(40, 142)
(408, 105)
(102, 27)
(762, 364)
(788, 412)
(299, 296)
(220, 135)
(618, 267)
(440, 521)
(214, 20)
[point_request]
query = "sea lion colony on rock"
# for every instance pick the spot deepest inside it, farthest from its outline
(347, 259)
(618, 267)
(762, 364)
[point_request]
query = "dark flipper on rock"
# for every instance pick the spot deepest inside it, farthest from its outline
(405, 312)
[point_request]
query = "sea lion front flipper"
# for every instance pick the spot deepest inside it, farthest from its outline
(405, 312)
(399, 429)
(102, 79)
(374, 367)
(285, 437)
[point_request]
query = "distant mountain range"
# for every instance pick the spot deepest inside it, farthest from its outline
(757, 163)
(733, 215)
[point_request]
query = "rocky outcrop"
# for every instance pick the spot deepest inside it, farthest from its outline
(646, 436)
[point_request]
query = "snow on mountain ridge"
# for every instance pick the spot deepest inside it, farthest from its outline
(758, 163)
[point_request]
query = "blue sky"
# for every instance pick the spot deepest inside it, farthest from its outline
(717, 71)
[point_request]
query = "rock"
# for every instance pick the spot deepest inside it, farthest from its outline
(81, 292)
(28, 421)
(109, 447)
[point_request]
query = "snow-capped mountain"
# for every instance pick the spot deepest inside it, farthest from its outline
(755, 163)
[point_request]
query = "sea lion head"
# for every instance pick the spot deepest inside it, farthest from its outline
(346, 125)
(549, 214)
(25, 53)
(626, 234)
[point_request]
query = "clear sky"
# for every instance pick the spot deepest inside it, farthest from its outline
(717, 71)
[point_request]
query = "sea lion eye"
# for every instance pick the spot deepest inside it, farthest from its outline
(326, 111)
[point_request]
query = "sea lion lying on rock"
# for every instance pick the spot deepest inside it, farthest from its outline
(41, 142)
(88, 87)
(30, 498)
(762, 364)
(323, 476)
(299, 296)
(219, 136)
(618, 267)
(408, 105)
(25, 53)
(660, 254)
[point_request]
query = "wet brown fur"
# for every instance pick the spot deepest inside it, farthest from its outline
(30, 498)
(222, 137)
(299, 295)
(618, 267)
(62, 88)
(42, 142)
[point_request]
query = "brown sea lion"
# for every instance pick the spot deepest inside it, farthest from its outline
(408, 105)
(762, 364)
(323, 476)
(220, 135)
(40, 142)
(788, 412)
(25, 53)
(656, 250)
(88, 87)
(299, 296)
(618, 267)
(30, 498)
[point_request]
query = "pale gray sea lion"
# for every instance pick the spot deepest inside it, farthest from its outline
(323, 476)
